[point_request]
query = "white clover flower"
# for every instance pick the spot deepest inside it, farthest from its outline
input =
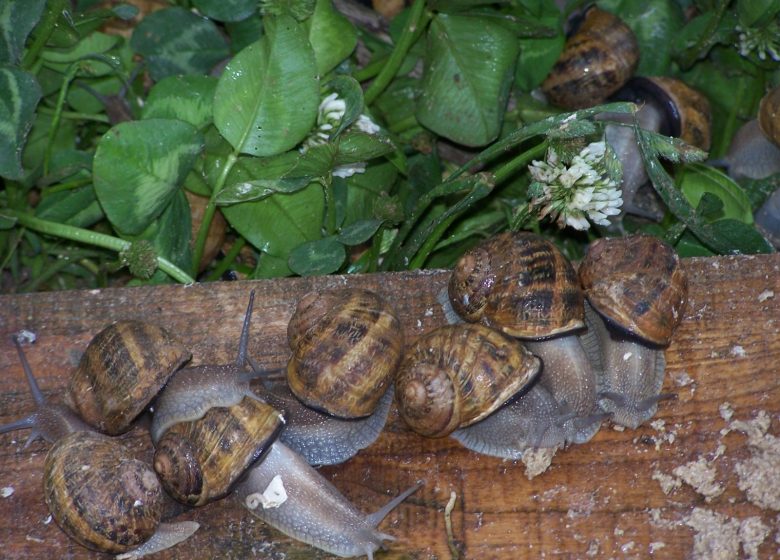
(764, 41)
(365, 124)
(575, 194)
(348, 170)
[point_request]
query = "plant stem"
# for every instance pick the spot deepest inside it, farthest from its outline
(91, 238)
(74, 115)
(55, 121)
(45, 28)
(225, 263)
(208, 213)
(506, 170)
(706, 40)
(414, 25)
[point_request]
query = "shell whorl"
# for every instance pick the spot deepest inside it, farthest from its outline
(123, 368)
(458, 374)
(636, 283)
(99, 495)
(529, 288)
(199, 461)
(346, 345)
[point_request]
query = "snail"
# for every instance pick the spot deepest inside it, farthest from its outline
(598, 58)
(665, 105)
(637, 285)
(457, 375)
(311, 509)
(121, 371)
(521, 284)
(755, 154)
(97, 492)
(346, 345)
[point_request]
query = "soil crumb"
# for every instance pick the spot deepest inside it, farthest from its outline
(537, 460)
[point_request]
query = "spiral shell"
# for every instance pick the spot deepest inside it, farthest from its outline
(686, 111)
(518, 283)
(769, 115)
(457, 375)
(199, 461)
(122, 369)
(346, 345)
(596, 61)
(99, 495)
(637, 283)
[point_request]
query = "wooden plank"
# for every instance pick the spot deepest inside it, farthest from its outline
(598, 498)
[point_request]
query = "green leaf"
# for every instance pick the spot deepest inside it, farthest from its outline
(17, 19)
(226, 10)
(349, 90)
(355, 146)
(267, 98)
(709, 207)
(95, 43)
(538, 55)
(6, 222)
(138, 167)
(245, 32)
(321, 256)
(187, 98)
(741, 237)
(754, 12)
(19, 95)
(76, 207)
(464, 98)
(332, 36)
(177, 41)
(259, 189)
(359, 232)
(279, 223)
(673, 149)
(696, 180)
(170, 235)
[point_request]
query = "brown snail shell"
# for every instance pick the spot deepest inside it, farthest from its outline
(457, 375)
(199, 461)
(686, 112)
(346, 345)
(121, 371)
(769, 115)
(99, 494)
(596, 61)
(520, 284)
(637, 283)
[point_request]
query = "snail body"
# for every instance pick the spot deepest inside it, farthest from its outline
(309, 508)
(598, 58)
(457, 375)
(97, 492)
(312, 510)
(639, 289)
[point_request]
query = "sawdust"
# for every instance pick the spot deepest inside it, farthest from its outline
(702, 476)
(752, 532)
(668, 482)
(759, 475)
(717, 535)
(537, 460)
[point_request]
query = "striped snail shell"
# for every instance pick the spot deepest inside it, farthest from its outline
(123, 368)
(769, 115)
(457, 375)
(596, 61)
(99, 494)
(199, 461)
(636, 283)
(346, 344)
(518, 283)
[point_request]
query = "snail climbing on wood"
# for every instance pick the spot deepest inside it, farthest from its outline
(346, 346)
(638, 289)
(521, 284)
(271, 480)
(97, 492)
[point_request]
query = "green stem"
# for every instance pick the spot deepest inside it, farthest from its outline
(90, 238)
(706, 40)
(74, 184)
(44, 29)
(371, 69)
(55, 121)
(225, 263)
(74, 115)
(208, 213)
(414, 26)
(330, 207)
(522, 160)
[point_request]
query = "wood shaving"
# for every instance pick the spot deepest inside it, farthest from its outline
(759, 475)
(656, 546)
(765, 295)
(726, 411)
(537, 460)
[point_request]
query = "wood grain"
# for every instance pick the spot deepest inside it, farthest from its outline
(597, 499)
